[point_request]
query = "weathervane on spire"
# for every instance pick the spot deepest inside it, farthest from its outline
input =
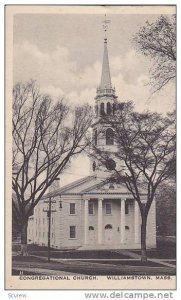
(105, 27)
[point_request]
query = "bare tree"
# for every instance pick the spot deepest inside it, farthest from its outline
(46, 136)
(146, 150)
(158, 41)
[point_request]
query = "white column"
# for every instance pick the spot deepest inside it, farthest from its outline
(86, 221)
(122, 221)
(136, 222)
(100, 221)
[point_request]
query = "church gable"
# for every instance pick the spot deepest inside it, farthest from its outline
(93, 185)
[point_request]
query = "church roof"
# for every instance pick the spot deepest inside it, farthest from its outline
(91, 185)
(71, 186)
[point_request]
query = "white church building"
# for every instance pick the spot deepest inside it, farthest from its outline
(92, 213)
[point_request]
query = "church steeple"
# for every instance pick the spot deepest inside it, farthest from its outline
(105, 88)
(105, 106)
(105, 77)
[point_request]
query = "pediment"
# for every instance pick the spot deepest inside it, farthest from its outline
(91, 185)
(107, 187)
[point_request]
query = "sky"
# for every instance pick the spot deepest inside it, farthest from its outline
(64, 53)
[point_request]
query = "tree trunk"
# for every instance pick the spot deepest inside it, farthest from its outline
(143, 239)
(24, 246)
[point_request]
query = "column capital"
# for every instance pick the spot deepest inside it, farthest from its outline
(100, 199)
(86, 199)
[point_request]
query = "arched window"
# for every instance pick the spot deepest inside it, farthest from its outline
(108, 226)
(109, 137)
(102, 112)
(109, 109)
(91, 228)
(95, 137)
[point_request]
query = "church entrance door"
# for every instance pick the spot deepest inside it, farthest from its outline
(108, 234)
(127, 235)
(91, 239)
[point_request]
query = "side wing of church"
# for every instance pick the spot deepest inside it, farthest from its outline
(92, 213)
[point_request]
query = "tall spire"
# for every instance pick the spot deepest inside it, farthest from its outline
(105, 87)
(105, 77)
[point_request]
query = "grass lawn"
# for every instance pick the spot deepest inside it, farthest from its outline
(102, 254)
(32, 247)
(127, 263)
(166, 249)
(165, 253)
(27, 259)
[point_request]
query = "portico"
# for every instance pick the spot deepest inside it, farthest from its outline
(108, 222)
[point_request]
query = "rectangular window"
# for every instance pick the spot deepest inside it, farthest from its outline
(72, 232)
(91, 208)
(72, 208)
(126, 208)
(108, 208)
